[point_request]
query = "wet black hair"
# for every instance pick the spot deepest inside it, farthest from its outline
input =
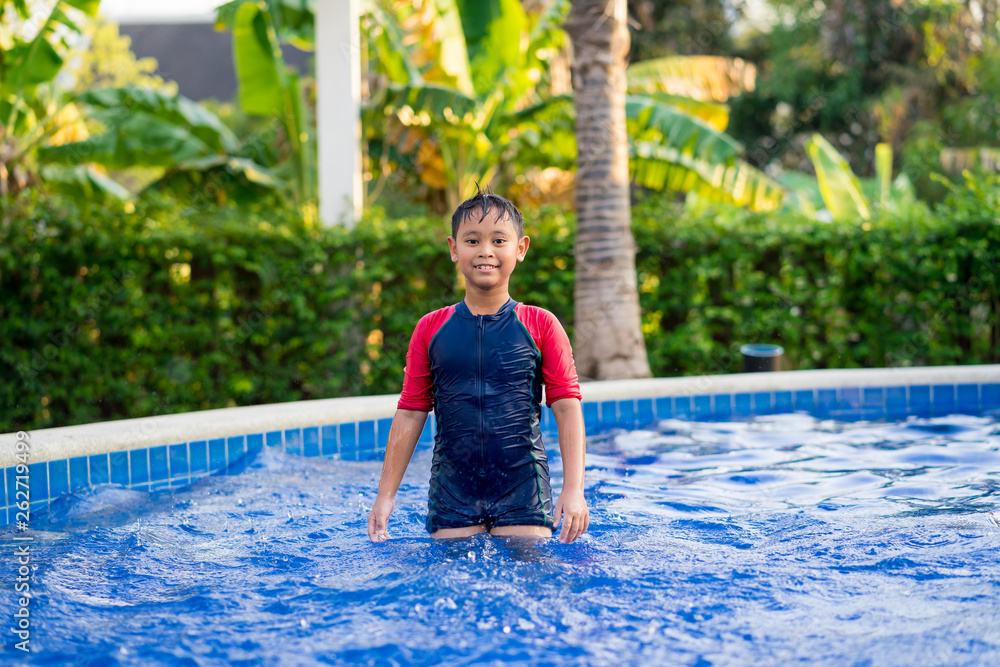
(487, 201)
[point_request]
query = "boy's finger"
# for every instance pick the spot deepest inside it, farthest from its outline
(567, 530)
(557, 517)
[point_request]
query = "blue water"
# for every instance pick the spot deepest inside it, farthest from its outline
(785, 540)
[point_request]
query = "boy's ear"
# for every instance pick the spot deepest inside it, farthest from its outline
(453, 249)
(522, 247)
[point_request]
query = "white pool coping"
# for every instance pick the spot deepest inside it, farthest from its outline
(85, 439)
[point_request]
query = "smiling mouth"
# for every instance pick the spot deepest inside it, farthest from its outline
(485, 267)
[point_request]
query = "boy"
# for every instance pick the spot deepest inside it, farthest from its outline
(480, 365)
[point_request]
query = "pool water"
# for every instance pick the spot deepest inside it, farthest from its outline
(774, 541)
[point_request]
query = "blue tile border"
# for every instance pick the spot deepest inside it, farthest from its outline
(177, 465)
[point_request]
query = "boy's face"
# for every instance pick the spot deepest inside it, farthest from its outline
(487, 252)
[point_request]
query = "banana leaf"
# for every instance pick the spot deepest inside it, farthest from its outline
(257, 72)
(840, 188)
(651, 119)
(704, 78)
(144, 127)
(493, 35)
(659, 167)
(82, 180)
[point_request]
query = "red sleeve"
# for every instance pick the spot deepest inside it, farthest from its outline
(418, 382)
(558, 367)
(418, 385)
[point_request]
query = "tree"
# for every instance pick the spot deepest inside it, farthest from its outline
(608, 341)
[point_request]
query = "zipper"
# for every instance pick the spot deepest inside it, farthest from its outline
(479, 393)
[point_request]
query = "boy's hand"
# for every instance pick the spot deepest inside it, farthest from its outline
(378, 519)
(572, 512)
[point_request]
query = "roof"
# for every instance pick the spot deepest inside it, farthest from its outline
(197, 57)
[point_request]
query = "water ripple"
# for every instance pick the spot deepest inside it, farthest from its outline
(774, 541)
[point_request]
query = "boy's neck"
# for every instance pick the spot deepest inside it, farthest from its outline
(479, 303)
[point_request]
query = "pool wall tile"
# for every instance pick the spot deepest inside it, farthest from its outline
(273, 438)
(742, 405)
(236, 449)
(293, 441)
(895, 402)
(920, 400)
(967, 398)
(804, 400)
(702, 408)
(159, 467)
(383, 426)
(873, 398)
(722, 406)
(349, 438)
(216, 454)
(943, 401)
(682, 407)
(644, 415)
(177, 460)
(849, 398)
(762, 403)
(591, 418)
(626, 415)
(255, 444)
(119, 468)
(78, 473)
(328, 439)
(236, 455)
(989, 397)
(609, 415)
(826, 402)
(310, 441)
(664, 407)
(199, 456)
(138, 466)
(38, 481)
(366, 436)
(100, 472)
(782, 402)
(58, 478)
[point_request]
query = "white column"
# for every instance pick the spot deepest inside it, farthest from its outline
(338, 102)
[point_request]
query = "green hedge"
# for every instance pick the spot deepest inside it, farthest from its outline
(109, 313)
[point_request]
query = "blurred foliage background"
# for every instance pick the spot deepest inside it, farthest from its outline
(818, 174)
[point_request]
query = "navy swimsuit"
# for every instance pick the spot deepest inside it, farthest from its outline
(483, 376)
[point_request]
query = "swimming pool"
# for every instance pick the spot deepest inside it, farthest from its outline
(842, 538)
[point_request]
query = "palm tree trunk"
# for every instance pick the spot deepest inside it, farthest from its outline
(608, 340)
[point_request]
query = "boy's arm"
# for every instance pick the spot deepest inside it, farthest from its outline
(571, 508)
(403, 435)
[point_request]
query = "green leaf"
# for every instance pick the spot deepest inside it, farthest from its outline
(430, 98)
(140, 139)
(390, 45)
(704, 78)
(31, 64)
(83, 180)
(259, 81)
(112, 105)
(679, 130)
(454, 52)
(493, 34)
(883, 171)
(839, 186)
(88, 7)
(253, 172)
